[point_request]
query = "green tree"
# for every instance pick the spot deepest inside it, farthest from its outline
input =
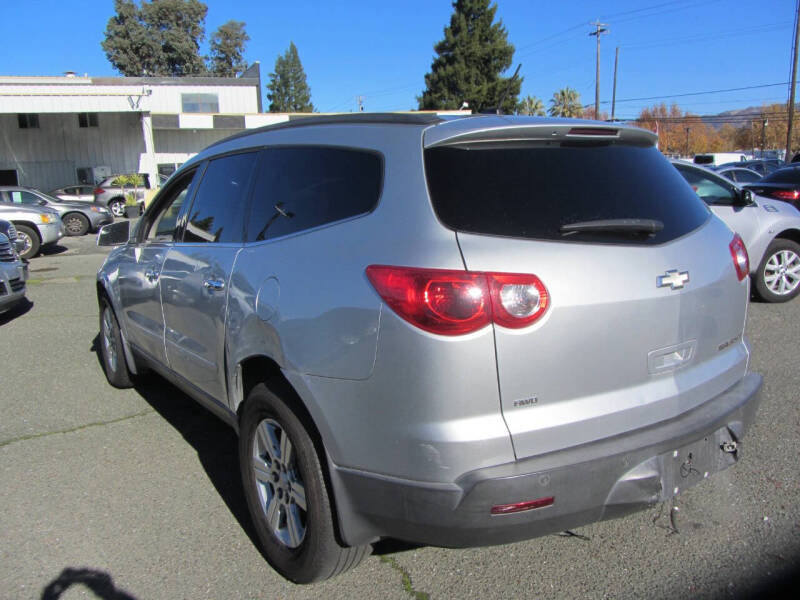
(288, 90)
(531, 105)
(156, 38)
(227, 50)
(566, 102)
(469, 61)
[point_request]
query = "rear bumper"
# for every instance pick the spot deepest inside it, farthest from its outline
(600, 480)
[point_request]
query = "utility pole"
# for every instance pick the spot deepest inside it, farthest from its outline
(788, 155)
(600, 29)
(614, 95)
(360, 100)
(687, 142)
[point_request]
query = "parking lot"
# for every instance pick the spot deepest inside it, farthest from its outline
(136, 493)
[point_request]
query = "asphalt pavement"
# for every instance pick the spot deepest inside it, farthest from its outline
(135, 494)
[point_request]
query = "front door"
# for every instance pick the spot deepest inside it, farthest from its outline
(140, 269)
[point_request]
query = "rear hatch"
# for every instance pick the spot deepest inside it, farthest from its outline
(644, 322)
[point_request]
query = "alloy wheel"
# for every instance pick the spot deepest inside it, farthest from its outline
(108, 339)
(280, 487)
(782, 272)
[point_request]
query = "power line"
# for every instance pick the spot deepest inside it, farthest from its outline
(739, 89)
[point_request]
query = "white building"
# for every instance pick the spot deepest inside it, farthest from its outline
(62, 130)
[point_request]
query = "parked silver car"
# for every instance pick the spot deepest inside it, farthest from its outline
(74, 193)
(111, 192)
(78, 217)
(36, 226)
(13, 274)
(453, 332)
(769, 228)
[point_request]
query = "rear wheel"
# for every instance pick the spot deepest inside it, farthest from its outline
(31, 239)
(286, 493)
(111, 349)
(117, 207)
(75, 224)
(778, 276)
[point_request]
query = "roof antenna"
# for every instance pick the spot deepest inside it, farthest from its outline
(508, 88)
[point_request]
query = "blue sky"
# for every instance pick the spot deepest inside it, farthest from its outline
(382, 50)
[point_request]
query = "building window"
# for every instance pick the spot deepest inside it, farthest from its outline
(28, 121)
(87, 119)
(200, 103)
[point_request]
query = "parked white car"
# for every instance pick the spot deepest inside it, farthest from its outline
(769, 228)
(36, 226)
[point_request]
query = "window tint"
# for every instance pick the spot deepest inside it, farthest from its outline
(790, 175)
(745, 176)
(712, 190)
(531, 192)
(165, 223)
(217, 213)
(21, 197)
(300, 188)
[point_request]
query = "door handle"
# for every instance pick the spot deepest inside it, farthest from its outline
(214, 285)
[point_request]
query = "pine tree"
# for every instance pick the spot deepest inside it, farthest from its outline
(157, 38)
(469, 61)
(288, 90)
(227, 50)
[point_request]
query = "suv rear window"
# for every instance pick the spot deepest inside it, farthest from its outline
(531, 192)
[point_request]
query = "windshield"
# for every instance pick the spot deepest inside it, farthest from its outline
(532, 192)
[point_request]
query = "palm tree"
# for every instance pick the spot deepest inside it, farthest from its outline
(566, 102)
(531, 105)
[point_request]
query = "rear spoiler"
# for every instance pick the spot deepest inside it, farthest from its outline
(504, 130)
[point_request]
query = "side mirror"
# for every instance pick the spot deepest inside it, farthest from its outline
(115, 234)
(746, 198)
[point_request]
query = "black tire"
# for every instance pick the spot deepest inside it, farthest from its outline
(111, 349)
(117, 207)
(317, 554)
(32, 242)
(780, 254)
(75, 224)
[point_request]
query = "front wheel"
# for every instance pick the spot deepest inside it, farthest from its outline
(75, 224)
(778, 276)
(286, 493)
(111, 349)
(31, 241)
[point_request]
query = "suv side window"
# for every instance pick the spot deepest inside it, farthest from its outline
(165, 223)
(298, 188)
(217, 213)
(710, 190)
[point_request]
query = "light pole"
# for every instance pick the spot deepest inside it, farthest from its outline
(687, 142)
(764, 124)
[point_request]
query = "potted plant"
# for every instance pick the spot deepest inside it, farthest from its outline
(131, 205)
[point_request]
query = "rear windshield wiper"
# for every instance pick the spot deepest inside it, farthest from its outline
(624, 226)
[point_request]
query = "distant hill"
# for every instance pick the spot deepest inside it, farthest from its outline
(737, 117)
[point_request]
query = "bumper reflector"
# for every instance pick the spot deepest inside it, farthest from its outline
(504, 509)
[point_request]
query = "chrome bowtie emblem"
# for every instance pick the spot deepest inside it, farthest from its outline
(673, 279)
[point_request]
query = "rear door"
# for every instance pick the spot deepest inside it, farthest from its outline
(196, 274)
(640, 327)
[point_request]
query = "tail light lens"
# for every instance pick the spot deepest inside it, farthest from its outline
(741, 261)
(786, 194)
(449, 302)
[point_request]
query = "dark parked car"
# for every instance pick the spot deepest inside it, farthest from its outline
(78, 217)
(7, 229)
(783, 184)
(762, 166)
(740, 175)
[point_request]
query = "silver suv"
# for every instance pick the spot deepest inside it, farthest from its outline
(453, 332)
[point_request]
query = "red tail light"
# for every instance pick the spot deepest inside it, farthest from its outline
(786, 194)
(451, 302)
(741, 261)
(504, 509)
(97, 191)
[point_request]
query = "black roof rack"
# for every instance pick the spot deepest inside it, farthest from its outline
(298, 120)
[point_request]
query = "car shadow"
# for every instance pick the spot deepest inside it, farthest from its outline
(216, 445)
(52, 249)
(20, 309)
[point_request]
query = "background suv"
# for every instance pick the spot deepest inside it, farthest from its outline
(36, 226)
(453, 332)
